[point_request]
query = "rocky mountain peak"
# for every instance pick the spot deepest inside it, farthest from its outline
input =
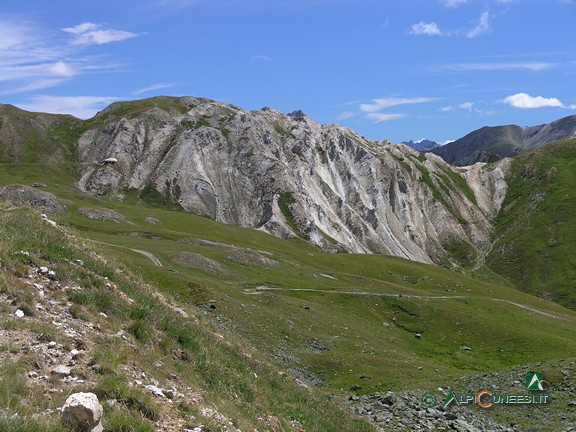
(290, 176)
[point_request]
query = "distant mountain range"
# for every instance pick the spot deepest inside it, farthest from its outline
(489, 144)
(422, 145)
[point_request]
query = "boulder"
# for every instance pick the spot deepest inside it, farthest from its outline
(83, 412)
(20, 195)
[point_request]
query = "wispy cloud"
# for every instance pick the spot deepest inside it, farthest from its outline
(467, 106)
(32, 58)
(346, 115)
(512, 66)
(382, 117)
(425, 29)
(525, 101)
(89, 33)
(79, 106)
(482, 26)
(152, 88)
(453, 3)
(383, 103)
(261, 57)
(372, 109)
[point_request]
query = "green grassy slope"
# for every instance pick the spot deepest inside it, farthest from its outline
(536, 228)
(227, 374)
(340, 321)
(343, 320)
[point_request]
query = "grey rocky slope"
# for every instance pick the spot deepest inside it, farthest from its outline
(493, 143)
(289, 175)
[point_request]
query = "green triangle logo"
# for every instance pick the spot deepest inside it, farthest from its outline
(534, 381)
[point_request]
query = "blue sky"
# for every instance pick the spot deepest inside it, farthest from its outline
(398, 70)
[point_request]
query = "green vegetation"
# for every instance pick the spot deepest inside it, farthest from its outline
(400, 160)
(224, 368)
(285, 200)
(462, 252)
(133, 109)
(459, 182)
(281, 131)
(169, 199)
(425, 176)
(536, 228)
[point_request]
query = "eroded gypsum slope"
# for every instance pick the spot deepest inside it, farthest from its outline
(291, 176)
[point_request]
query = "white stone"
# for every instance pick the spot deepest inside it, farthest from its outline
(157, 391)
(61, 370)
(83, 411)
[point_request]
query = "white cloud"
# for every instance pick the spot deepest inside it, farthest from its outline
(32, 86)
(94, 34)
(466, 106)
(482, 26)
(426, 29)
(152, 88)
(382, 117)
(525, 101)
(261, 57)
(81, 28)
(32, 58)
(453, 3)
(346, 115)
(383, 103)
(532, 66)
(447, 109)
(79, 106)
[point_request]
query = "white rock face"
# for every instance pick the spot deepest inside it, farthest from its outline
(289, 175)
(83, 411)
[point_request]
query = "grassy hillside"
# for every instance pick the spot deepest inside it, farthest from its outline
(167, 343)
(257, 304)
(256, 328)
(536, 229)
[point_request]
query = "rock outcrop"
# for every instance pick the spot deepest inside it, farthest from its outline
(21, 195)
(289, 175)
(83, 412)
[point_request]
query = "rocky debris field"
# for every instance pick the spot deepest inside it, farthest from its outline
(405, 410)
(101, 214)
(19, 195)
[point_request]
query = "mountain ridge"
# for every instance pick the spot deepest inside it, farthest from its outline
(286, 175)
(492, 143)
(422, 145)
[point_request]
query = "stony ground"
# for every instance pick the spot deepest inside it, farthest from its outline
(54, 340)
(406, 411)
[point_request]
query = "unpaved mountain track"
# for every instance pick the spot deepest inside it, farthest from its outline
(262, 289)
(148, 255)
(152, 258)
